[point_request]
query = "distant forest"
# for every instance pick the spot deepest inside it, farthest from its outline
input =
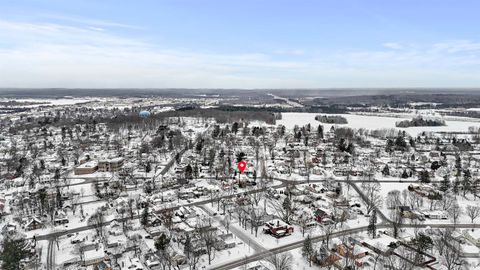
(331, 119)
(221, 115)
(115, 119)
(420, 122)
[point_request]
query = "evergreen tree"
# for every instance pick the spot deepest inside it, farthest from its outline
(424, 176)
(400, 143)
(42, 197)
(287, 206)
(389, 148)
(199, 146)
(372, 226)
(342, 145)
(195, 170)
(350, 148)
(189, 172)
(162, 243)
(187, 246)
(241, 156)
(412, 142)
(456, 184)
(59, 198)
(282, 130)
(324, 159)
(458, 164)
(386, 170)
(308, 250)
(467, 181)
(435, 165)
(298, 136)
(235, 127)
(144, 220)
(423, 243)
(14, 250)
(148, 167)
(56, 175)
(445, 185)
(158, 141)
(320, 132)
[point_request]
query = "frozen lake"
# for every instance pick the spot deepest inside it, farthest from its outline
(373, 122)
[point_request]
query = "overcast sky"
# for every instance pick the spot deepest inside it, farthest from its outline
(239, 44)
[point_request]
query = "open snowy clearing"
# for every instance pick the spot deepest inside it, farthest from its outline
(289, 120)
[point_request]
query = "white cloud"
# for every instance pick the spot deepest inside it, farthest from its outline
(289, 52)
(458, 46)
(61, 55)
(88, 21)
(393, 45)
(90, 55)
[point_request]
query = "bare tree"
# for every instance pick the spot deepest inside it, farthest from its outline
(208, 236)
(256, 219)
(283, 209)
(397, 220)
(451, 251)
(473, 212)
(372, 194)
(393, 199)
(303, 222)
(447, 201)
(308, 250)
(415, 200)
(97, 221)
(256, 195)
(440, 244)
(240, 215)
(226, 223)
(455, 212)
(192, 254)
(167, 218)
(193, 259)
(282, 261)
(130, 208)
(328, 231)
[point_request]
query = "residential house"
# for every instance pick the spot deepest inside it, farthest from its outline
(472, 236)
(277, 228)
(33, 223)
(94, 256)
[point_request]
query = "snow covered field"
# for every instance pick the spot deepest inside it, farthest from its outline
(49, 102)
(289, 120)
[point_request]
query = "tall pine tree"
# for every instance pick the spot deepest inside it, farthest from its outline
(467, 181)
(308, 250)
(144, 219)
(445, 185)
(15, 249)
(372, 226)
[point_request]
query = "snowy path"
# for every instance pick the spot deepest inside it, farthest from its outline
(51, 255)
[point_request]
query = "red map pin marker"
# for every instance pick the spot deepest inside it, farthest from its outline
(241, 166)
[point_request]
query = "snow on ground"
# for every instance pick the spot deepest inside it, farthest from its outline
(298, 262)
(289, 120)
(49, 102)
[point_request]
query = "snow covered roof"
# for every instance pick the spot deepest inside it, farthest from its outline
(382, 242)
(89, 164)
(94, 254)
